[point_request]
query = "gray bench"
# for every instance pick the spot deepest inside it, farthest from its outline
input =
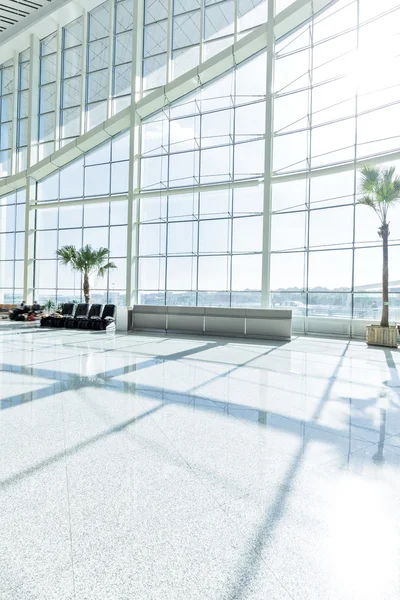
(242, 322)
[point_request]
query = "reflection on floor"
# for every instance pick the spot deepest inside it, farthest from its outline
(142, 467)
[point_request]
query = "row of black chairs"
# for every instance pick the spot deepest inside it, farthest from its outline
(95, 317)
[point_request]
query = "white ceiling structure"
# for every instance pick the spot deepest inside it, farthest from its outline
(13, 12)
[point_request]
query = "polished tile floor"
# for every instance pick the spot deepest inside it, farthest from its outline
(139, 467)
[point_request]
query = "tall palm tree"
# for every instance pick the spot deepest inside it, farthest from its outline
(87, 260)
(380, 189)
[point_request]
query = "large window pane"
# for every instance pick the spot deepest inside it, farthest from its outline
(97, 180)
(288, 231)
(331, 227)
(152, 239)
(288, 271)
(246, 272)
(247, 234)
(214, 273)
(182, 238)
(181, 273)
(215, 236)
(152, 273)
(330, 270)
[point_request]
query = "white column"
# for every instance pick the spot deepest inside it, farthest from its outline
(58, 89)
(202, 17)
(14, 116)
(3, 282)
(169, 39)
(33, 106)
(110, 58)
(84, 63)
(29, 240)
(134, 160)
(269, 116)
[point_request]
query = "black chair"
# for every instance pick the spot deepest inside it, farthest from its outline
(80, 313)
(67, 311)
(94, 314)
(107, 318)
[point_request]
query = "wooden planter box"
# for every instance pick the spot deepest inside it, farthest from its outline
(382, 336)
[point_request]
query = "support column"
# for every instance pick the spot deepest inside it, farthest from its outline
(169, 40)
(57, 129)
(14, 115)
(29, 251)
(110, 58)
(33, 134)
(84, 75)
(268, 164)
(33, 110)
(132, 262)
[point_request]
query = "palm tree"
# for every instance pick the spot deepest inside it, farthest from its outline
(380, 189)
(87, 260)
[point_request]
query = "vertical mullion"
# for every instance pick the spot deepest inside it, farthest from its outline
(110, 71)
(58, 89)
(33, 101)
(83, 70)
(231, 191)
(169, 39)
(236, 24)
(132, 249)
(14, 116)
(355, 181)
(269, 108)
(309, 155)
(29, 249)
(202, 29)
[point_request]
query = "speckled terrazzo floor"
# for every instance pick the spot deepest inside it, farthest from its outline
(143, 467)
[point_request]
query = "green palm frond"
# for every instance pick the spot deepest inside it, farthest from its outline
(68, 255)
(369, 178)
(368, 201)
(102, 270)
(379, 189)
(86, 260)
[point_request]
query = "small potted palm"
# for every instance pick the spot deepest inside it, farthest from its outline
(49, 306)
(380, 190)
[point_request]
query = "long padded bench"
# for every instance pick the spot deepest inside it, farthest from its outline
(241, 322)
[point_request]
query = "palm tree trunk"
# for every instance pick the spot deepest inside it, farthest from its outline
(385, 276)
(86, 290)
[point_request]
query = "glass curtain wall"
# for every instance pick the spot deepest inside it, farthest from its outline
(201, 159)
(71, 81)
(195, 31)
(47, 95)
(337, 100)
(122, 57)
(12, 238)
(101, 172)
(6, 112)
(22, 110)
(97, 65)
(204, 246)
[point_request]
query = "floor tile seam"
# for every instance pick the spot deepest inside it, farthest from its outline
(68, 357)
(341, 435)
(253, 425)
(317, 467)
(303, 376)
(266, 370)
(62, 358)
